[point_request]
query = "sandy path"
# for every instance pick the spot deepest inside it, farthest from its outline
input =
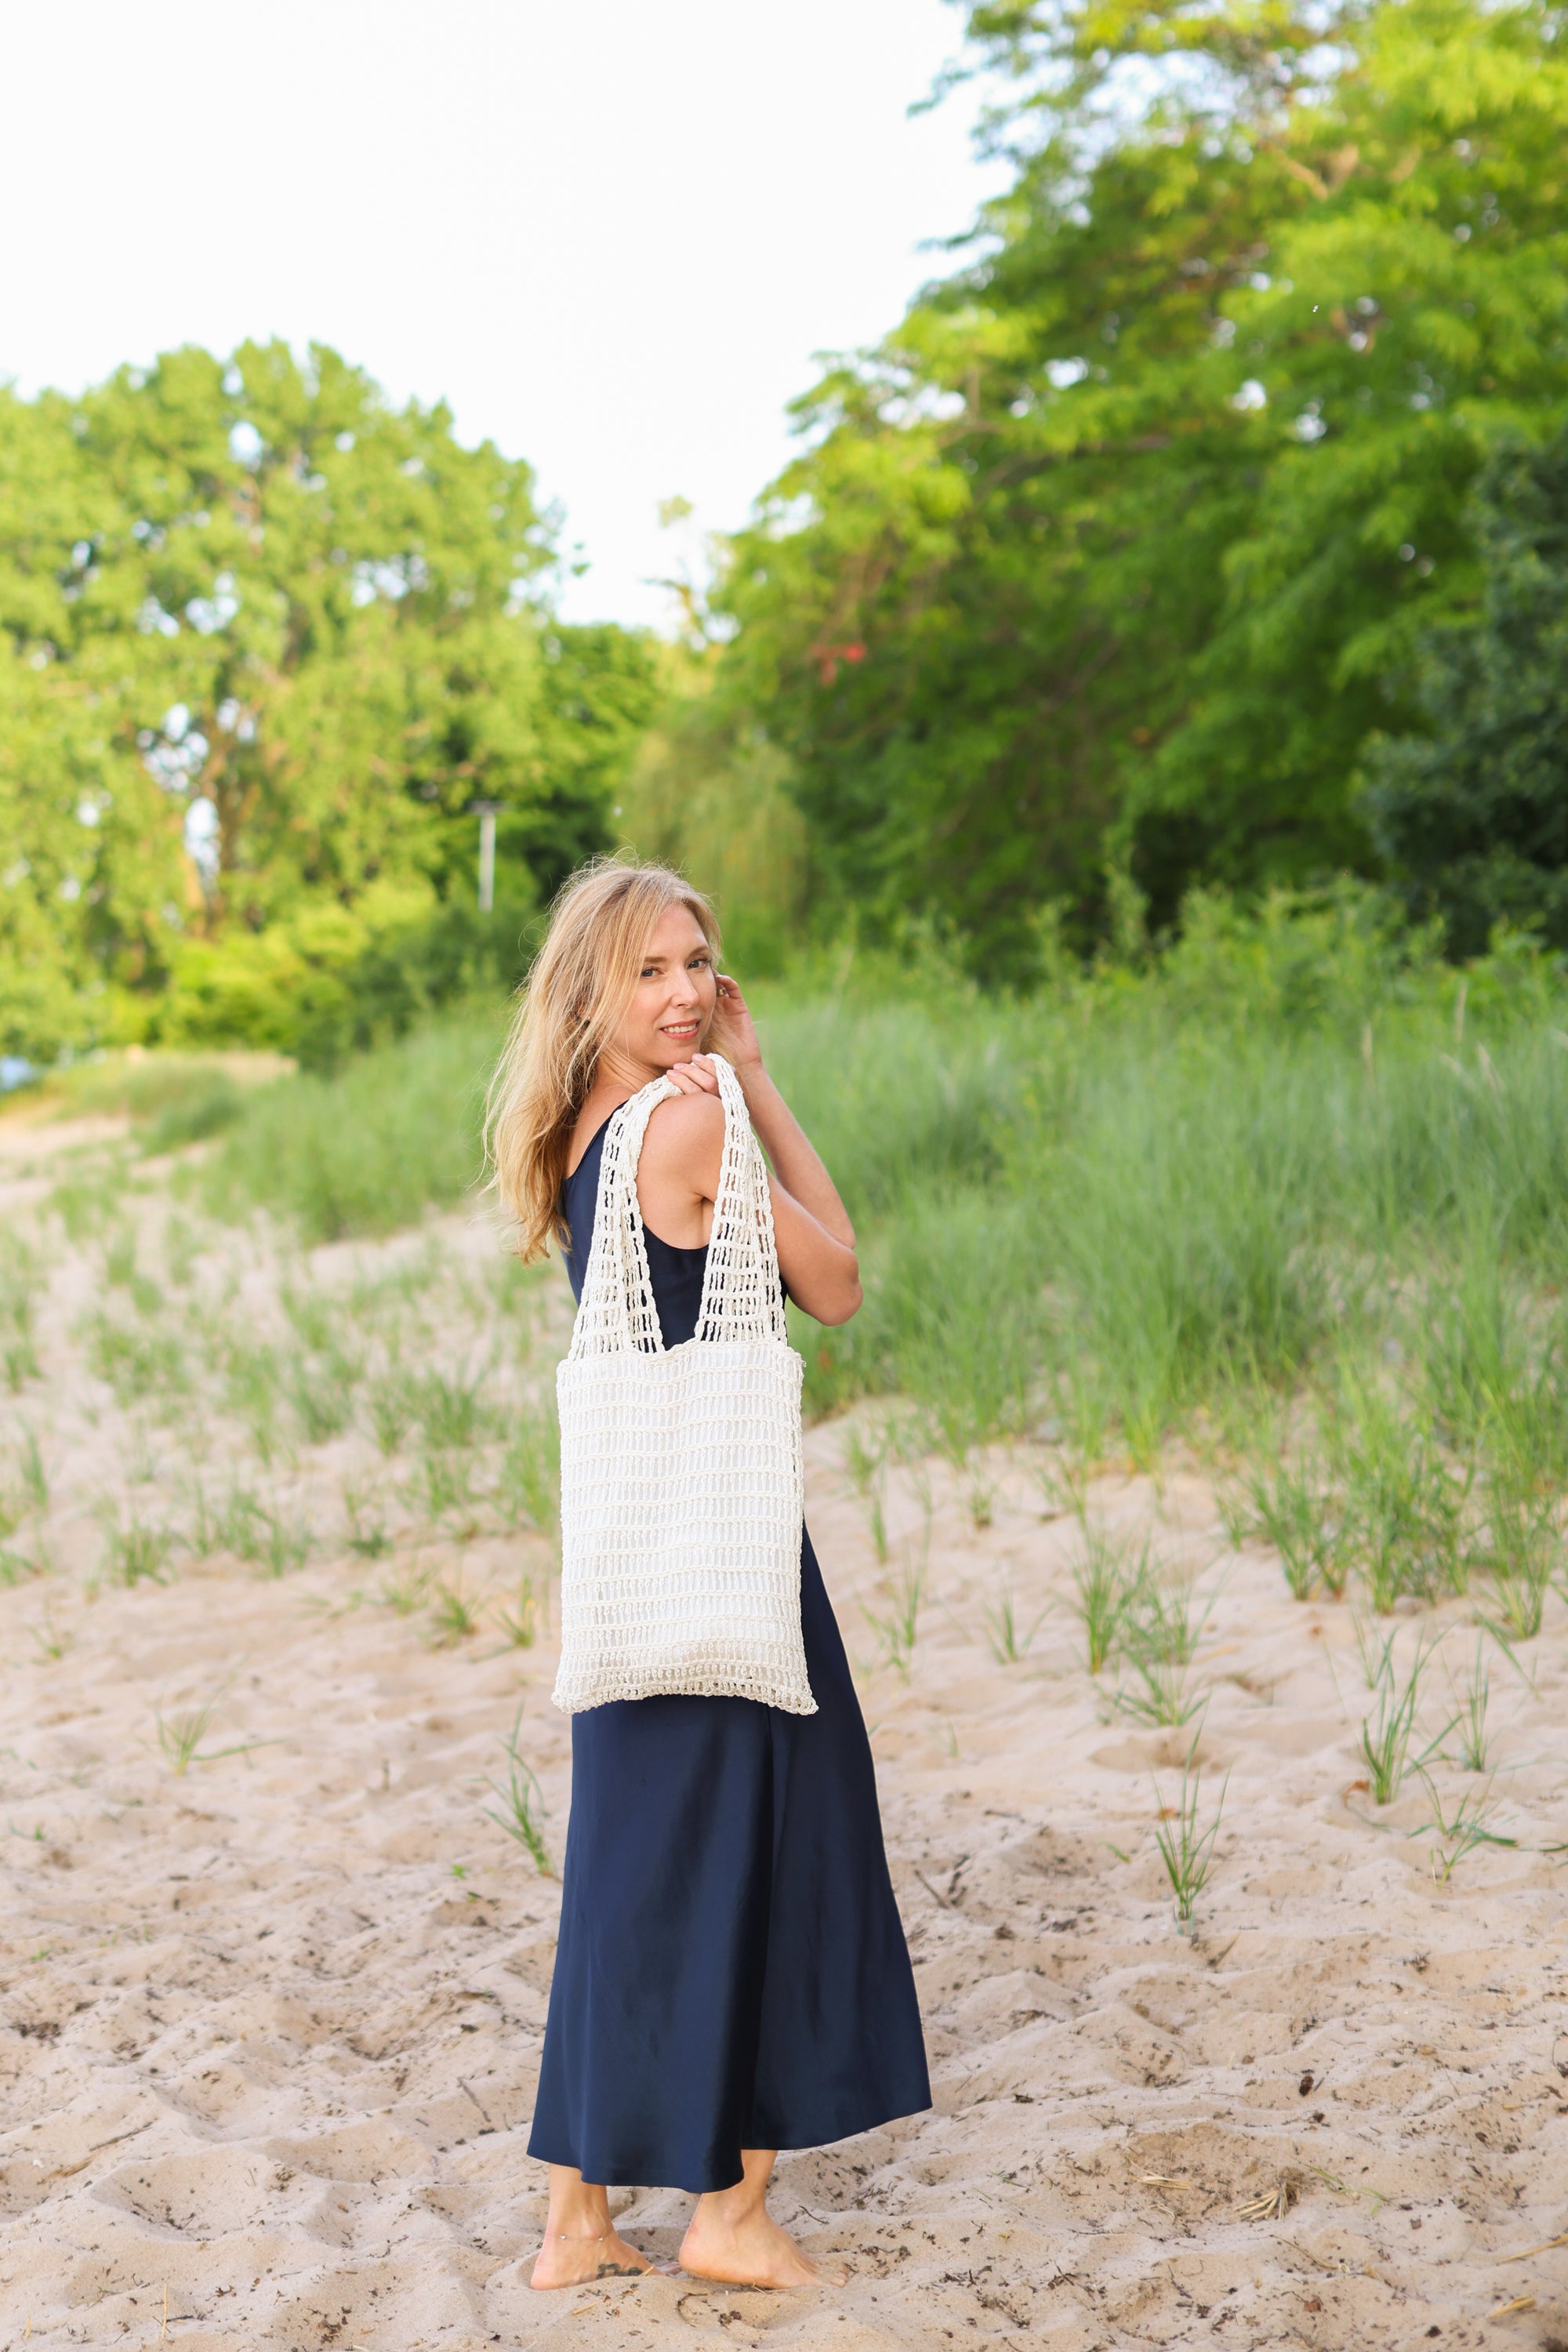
(269, 2026)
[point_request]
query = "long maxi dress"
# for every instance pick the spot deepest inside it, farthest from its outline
(731, 1970)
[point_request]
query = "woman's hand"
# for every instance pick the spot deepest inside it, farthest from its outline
(697, 1077)
(735, 1034)
(736, 1039)
(816, 1239)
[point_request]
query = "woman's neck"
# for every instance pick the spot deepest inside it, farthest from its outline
(622, 1075)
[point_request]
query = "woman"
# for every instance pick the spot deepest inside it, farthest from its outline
(732, 1976)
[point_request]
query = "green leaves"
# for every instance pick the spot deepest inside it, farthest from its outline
(1123, 540)
(262, 639)
(1475, 816)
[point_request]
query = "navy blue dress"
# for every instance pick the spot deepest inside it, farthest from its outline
(731, 1970)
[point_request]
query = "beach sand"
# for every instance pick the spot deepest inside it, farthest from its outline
(270, 2024)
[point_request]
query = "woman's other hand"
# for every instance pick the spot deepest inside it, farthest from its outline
(734, 1031)
(816, 1239)
(734, 1034)
(697, 1077)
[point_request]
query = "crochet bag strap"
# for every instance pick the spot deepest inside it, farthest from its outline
(616, 1315)
(742, 1297)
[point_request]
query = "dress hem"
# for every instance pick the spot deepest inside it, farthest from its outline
(642, 2173)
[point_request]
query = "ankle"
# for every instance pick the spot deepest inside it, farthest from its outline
(727, 2209)
(578, 2220)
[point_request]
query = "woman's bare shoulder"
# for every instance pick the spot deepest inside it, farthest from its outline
(685, 1140)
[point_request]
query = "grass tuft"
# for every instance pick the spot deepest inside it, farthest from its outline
(1008, 1647)
(1292, 1511)
(528, 1490)
(1470, 1717)
(522, 1803)
(136, 1551)
(1459, 1832)
(322, 1391)
(1187, 1849)
(451, 1409)
(405, 1590)
(453, 1616)
(1522, 1556)
(390, 1403)
(179, 1735)
(1104, 1581)
(520, 1623)
(367, 1530)
(1386, 1734)
(21, 1288)
(1404, 1499)
(897, 1623)
(27, 1495)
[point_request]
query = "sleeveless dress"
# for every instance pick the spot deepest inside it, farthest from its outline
(731, 1970)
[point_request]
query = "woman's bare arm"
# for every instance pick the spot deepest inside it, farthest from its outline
(796, 1162)
(678, 1178)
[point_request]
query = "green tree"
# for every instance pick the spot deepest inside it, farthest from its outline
(1122, 542)
(600, 693)
(711, 795)
(1475, 815)
(263, 637)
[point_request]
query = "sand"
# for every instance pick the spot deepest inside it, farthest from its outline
(270, 2024)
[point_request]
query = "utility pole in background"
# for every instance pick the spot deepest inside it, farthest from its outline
(487, 811)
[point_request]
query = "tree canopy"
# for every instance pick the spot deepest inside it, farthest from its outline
(1474, 815)
(1200, 527)
(1117, 550)
(263, 637)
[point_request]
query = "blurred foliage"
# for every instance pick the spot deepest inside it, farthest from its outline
(1198, 533)
(262, 639)
(1114, 555)
(333, 980)
(371, 1148)
(1475, 816)
(709, 792)
(1294, 1147)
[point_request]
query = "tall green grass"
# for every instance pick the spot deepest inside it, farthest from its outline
(1297, 1158)
(372, 1149)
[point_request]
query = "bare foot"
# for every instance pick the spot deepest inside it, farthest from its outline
(753, 2251)
(581, 2262)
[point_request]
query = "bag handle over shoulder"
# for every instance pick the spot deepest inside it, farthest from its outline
(615, 1314)
(742, 1297)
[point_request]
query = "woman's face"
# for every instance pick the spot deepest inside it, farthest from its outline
(671, 1008)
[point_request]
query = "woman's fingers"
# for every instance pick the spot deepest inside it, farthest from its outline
(697, 1077)
(739, 1033)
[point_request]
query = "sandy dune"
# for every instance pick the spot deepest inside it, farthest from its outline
(269, 2025)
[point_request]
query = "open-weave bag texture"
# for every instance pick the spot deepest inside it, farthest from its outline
(681, 1488)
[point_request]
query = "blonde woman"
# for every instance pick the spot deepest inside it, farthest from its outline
(732, 1976)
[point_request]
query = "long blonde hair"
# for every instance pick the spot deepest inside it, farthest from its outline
(570, 1007)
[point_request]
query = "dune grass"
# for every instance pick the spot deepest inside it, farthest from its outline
(370, 1150)
(1296, 1192)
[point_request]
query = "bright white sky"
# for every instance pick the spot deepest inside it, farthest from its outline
(612, 233)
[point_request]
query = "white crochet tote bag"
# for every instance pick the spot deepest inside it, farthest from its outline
(681, 1490)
